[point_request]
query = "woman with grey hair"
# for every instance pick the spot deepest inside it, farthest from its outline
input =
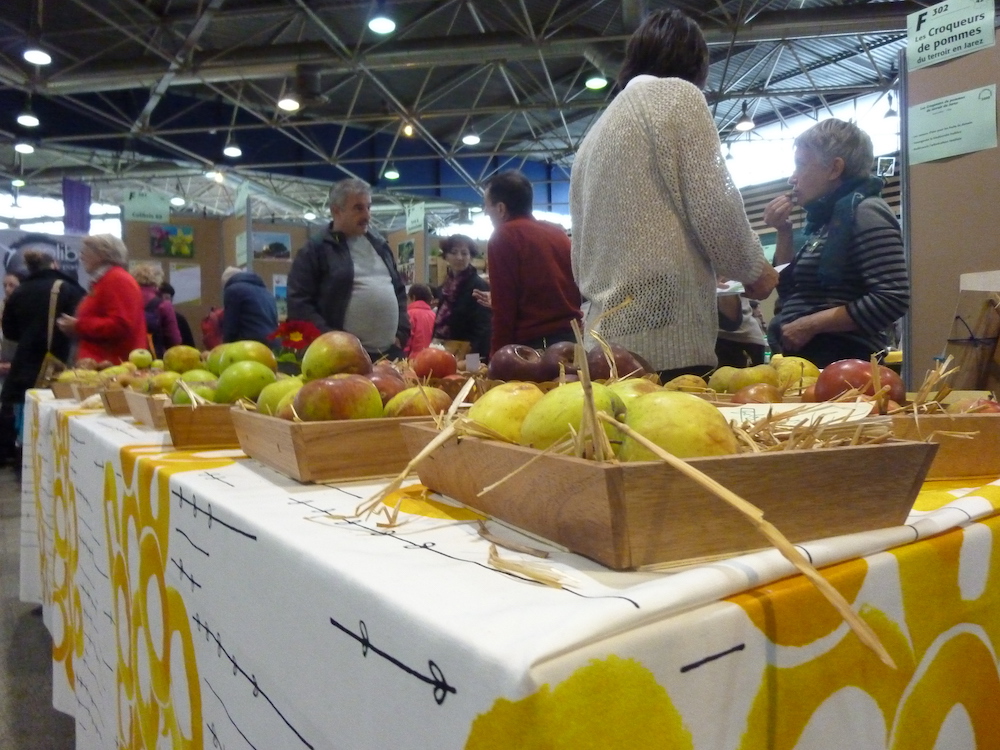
(847, 284)
(161, 318)
(110, 321)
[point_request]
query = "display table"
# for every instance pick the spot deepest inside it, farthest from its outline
(202, 600)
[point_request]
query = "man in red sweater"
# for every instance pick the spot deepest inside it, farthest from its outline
(533, 295)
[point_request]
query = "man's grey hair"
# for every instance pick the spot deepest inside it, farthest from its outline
(832, 138)
(108, 248)
(340, 191)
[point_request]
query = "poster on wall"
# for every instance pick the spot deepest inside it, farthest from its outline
(170, 241)
(185, 278)
(407, 264)
(280, 286)
(266, 246)
(64, 248)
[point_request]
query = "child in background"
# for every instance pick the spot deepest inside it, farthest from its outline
(421, 318)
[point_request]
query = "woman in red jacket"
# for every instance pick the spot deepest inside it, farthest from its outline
(110, 321)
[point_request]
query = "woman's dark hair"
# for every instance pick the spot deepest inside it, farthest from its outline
(512, 189)
(451, 244)
(37, 260)
(420, 292)
(165, 288)
(667, 44)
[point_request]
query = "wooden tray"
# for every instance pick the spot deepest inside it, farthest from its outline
(324, 451)
(629, 515)
(147, 410)
(205, 426)
(115, 403)
(957, 457)
(83, 391)
(62, 389)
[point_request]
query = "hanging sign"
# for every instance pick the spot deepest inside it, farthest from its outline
(415, 218)
(948, 30)
(142, 206)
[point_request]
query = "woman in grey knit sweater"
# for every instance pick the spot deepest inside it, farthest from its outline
(847, 284)
(656, 217)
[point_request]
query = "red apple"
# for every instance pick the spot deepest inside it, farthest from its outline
(335, 352)
(388, 385)
(626, 362)
(517, 362)
(974, 406)
(560, 353)
(386, 367)
(841, 376)
(433, 363)
(343, 396)
(418, 401)
(758, 393)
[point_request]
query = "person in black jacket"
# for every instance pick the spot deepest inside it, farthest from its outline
(347, 279)
(459, 316)
(249, 310)
(26, 319)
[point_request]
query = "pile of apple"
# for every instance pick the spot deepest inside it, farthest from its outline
(339, 381)
(523, 363)
(679, 422)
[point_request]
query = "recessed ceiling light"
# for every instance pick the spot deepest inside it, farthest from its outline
(289, 103)
(28, 119)
(37, 56)
(177, 201)
(470, 139)
(309, 216)
(596, 82)
(17, 182)
(24, 148)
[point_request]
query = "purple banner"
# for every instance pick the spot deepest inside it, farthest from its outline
(76, 203)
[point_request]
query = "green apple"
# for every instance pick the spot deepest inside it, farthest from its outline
(792, 370)
(198, 376)
(630, 389)
(181, 358)
(680, 423)
(718, 381)
(181, 396)
(213, 363)
(745, 376)
(504, 407)
(141, 358)
(416, 401)
(163, 382)
(243, 380)
(156, 364)
(271, 396)
(247, 351)
(550, 419)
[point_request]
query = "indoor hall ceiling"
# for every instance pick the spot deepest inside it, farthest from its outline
(145, 93)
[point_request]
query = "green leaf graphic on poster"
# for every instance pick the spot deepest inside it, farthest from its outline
(169, 241)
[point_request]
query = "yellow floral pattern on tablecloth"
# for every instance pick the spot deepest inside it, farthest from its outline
(150, 615)
(610, 704)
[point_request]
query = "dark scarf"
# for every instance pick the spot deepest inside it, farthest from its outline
(836, 212)
(449, 293)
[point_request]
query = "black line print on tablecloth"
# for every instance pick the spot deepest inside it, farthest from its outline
(212, 475)
(191, 542)
(712, 657)
(436, 678)
(238, 670)
(216, 742)
(179, 564)
(207, 511)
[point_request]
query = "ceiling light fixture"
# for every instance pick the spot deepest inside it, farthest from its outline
(27, 118)
(309, 216)
(215, 176)
(408, 130)
(745, 123)
(17, 182)
(232, 149)
(24, 148)
(381, 23)
(891, 112)
(470, 139)
(391, 173)
(177, 201)
(37, 56)
(596, 82)
(289, 103)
